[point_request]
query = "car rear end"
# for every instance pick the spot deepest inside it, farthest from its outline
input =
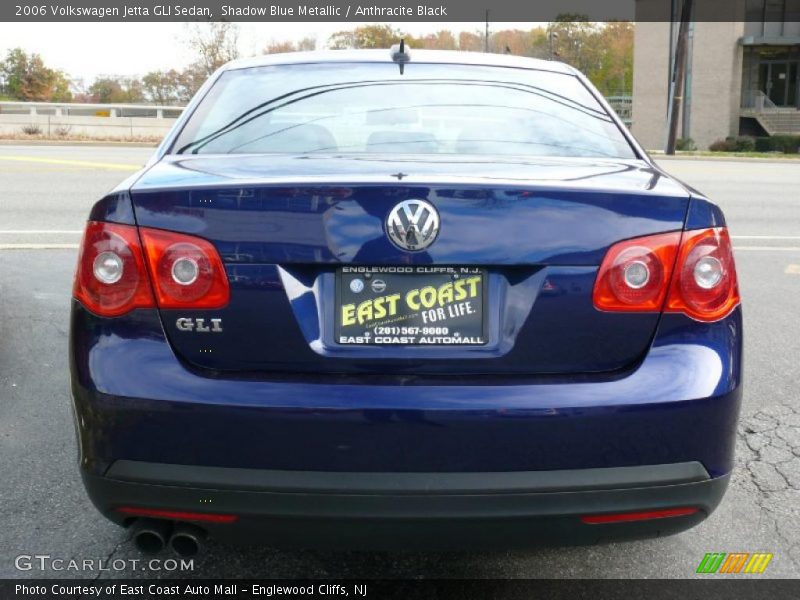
(355, 305)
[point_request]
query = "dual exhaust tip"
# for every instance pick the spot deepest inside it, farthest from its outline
(150, 536)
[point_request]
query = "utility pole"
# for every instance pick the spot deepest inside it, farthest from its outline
(552, 36)
(679, 76)
(486, 35)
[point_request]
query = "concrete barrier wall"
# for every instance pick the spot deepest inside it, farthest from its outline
(106, 127)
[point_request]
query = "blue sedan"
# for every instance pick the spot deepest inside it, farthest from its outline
(404, 299)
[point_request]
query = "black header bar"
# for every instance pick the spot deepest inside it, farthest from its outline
(382, 10)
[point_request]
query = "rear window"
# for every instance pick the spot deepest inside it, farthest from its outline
(370, 108)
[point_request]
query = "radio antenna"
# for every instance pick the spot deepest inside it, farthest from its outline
(399, 55)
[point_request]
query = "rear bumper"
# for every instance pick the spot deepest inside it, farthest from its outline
(153, 432)
(425, 510)
(134, 400)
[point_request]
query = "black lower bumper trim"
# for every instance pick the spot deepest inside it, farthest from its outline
(327, 482)
(414, 510)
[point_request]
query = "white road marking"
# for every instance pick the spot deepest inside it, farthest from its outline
(765, 237)
(768, 248)
(40, 231)
(38, 246)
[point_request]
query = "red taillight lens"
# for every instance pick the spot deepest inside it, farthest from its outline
(187, 271)
(696, 267)
(111, 278)
(645, 515)
(705, 286)
(635, 274)
(177, 515)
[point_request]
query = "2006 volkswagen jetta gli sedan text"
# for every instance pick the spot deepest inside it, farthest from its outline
(406, 299)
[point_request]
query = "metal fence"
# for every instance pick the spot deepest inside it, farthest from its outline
(66, 109)
(94, 121)
(623, 105)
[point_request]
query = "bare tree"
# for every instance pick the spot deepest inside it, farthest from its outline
(275, 47)
(215, 44)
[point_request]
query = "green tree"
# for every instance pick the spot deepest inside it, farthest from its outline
(164, 87)
(112, 89)
(614, 75)
(603, 52)
(106, 90)
(61, 91)
(28, 79)
(367, 36)
(574, 41)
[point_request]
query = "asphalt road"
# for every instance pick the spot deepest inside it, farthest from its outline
(45, 195)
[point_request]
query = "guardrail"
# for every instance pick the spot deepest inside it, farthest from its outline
(66, 109)
(113, 121)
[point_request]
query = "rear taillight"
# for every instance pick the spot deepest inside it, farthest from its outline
(635, 274)
(111, 278)
(690, 272)
(187, 271)
(705, 285)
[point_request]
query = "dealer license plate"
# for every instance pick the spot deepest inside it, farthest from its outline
(411, 306)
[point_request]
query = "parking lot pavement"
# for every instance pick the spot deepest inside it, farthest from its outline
(45, 510)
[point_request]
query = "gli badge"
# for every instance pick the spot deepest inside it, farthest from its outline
(199, 325)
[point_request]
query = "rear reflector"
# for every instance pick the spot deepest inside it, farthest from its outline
(691, 272)
(645, 515)
(176, 515)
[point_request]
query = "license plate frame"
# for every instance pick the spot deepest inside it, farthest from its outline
(456, 321)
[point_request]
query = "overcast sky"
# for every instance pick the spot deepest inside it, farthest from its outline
(86, 50)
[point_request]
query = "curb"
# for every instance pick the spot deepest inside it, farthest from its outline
(661, 156)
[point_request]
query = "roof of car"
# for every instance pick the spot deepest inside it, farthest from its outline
(418, 56)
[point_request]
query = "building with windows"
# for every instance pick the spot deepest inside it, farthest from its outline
(742, 76)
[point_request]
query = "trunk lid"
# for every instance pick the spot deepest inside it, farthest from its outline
(284, 225)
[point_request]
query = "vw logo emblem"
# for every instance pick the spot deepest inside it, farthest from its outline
(413, 225)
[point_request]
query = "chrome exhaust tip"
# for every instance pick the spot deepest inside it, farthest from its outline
(150, 535)
(186, 539)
